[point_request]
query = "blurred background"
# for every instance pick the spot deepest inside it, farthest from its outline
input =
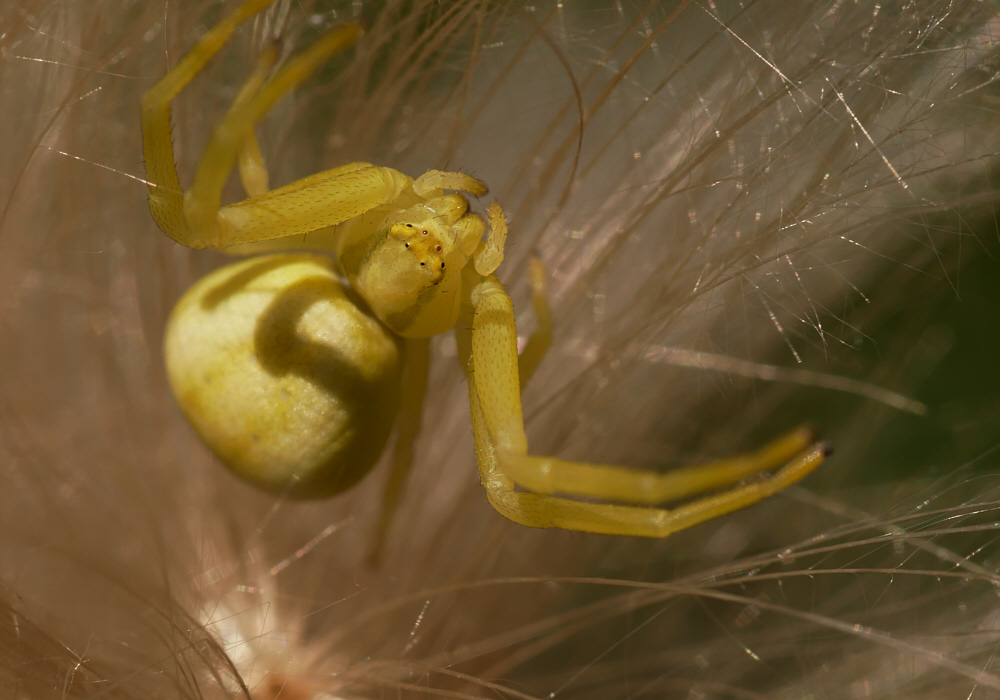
(752, 215)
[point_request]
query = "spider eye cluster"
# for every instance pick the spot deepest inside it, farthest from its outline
(423, 247)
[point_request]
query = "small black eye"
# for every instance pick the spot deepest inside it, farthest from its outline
(409, 226)
(422, 265)
(442, 266)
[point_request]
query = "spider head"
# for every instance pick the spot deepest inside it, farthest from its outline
(422, 253)
(411, 274)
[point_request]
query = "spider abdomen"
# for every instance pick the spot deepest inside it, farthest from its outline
(280, 371)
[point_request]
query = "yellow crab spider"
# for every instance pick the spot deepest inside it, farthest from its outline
(295, 377)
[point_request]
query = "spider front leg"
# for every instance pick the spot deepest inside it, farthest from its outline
(196, 218)
(502, 451)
